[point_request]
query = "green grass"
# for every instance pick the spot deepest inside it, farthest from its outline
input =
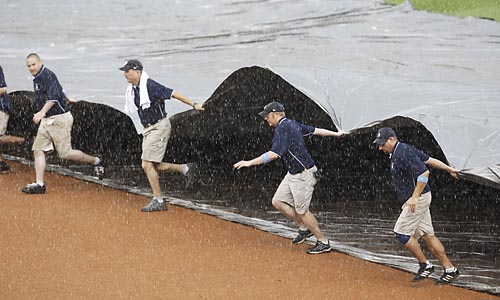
(461, 8)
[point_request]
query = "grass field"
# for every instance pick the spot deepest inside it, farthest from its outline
(461, 8)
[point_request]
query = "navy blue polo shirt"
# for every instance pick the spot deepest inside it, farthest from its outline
(48, 88)
(407, 163)
(157, 95)
(5, 104)
(288, 143)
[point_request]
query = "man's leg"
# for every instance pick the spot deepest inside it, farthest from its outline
(37, 187)
(414, 247)
(39, 166)
(310, 221)
(79, 156)
(157, 203)
(60, 136)
(170, 167)
(11, 139)
(153, 178)
(437, 249)
(8, 139)
(289, 212)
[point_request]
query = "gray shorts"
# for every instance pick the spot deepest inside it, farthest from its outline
(297, 190)
(54, 132)
(4, 120)
(418, 223)
(155, 140)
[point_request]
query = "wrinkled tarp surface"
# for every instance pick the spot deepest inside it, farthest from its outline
(465, 120)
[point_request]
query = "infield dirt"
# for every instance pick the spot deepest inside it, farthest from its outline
(81, 240)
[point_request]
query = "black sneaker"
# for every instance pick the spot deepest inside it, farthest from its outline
(423, 272)
(320, 248)
(302, 236)
(154, 205)
(190, 175)
(448, 277)
(4, 167)
(34, 188)
(99, 170)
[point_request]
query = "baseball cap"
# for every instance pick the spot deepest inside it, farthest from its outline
(383, 134)
(272, 107)
(133, 64)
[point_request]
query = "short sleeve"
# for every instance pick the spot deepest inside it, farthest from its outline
(157, 91)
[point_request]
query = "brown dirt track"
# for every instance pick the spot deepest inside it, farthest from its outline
(85, 241)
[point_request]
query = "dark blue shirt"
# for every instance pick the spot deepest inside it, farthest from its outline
(288, 143)
(5, 104)
(48, 88)
(407, 163)
(157, 95)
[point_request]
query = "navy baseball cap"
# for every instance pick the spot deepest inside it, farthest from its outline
(383, 134)
(272, 107)
(132, 64)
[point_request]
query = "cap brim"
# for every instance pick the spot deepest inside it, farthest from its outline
(379, 141)
(123, 69)
(263, 113)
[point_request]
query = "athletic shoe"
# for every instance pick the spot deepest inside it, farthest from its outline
(99, 170)
(190, 175)
(448, 277)
(423, 272)
(320, 248)
(4, 167)
(302, 236)
(154, 205)
(34, 188)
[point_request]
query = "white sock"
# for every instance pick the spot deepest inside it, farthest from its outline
(159, 199)
(97, 161)
(450, 270)
(40, 183)
(185, 169)
(428, 264)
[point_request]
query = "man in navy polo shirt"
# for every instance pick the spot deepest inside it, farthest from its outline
(55, 122)
(5, 109)
(294, 194)
(147, 97)
(409, 178)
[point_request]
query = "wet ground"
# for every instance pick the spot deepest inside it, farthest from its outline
(468, 226)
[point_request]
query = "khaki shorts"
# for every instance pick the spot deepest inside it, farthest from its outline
(4, 119)
(419, 223)
(297, 190)
(54, 132)
(155, 140)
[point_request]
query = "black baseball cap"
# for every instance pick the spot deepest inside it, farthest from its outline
(383, 134)
(272, 107)
(133, 64)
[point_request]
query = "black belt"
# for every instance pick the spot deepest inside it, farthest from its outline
(307, 168)
(151, 124)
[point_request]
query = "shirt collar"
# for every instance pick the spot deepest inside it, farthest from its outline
(39, 72)
(394, 150)
(281, 120)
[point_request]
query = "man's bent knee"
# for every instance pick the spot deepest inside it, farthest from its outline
(276, 203)
(402, 238)
(279, 204)
(147, 165)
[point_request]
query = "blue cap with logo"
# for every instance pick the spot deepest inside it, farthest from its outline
(132, 64)
(272, 107)
(383, 134)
